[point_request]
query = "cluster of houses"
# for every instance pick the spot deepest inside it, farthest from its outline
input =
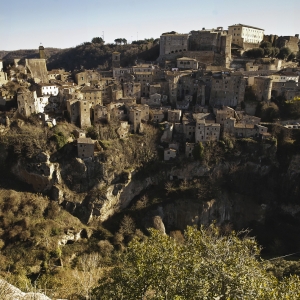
(192, 97)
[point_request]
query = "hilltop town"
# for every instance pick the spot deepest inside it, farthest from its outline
(191, 129)
(204, 85)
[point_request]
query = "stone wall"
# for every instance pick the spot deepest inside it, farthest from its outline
(37, 69)
(291, 42)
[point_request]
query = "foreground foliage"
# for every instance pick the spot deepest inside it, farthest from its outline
(206, 265)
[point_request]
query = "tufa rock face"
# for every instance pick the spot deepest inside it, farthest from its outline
(235, 208)
(40, 172)
(159, 224)
(9, 292)
(70, 237)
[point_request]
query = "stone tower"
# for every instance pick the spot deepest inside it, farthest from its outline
(116, 57)
(42, 52)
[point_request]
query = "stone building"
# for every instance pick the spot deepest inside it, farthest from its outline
(3, 78)
(205, 132)
(47, 89)
(189, 130)
(87, 77)
(223, 114)
(169, 154)
(92, 95)
(85, 148)
(189, 148)
(249, 130)
(84, 114)
(291, 93)
(173, 79)
(216, 40)
(27, 102)
(251, 67)
(116, 59)
(107, 85)
(187, 86)
(58, 74)
(153, 100)
(135, 119)
(73, 109)
(155, 88)
(121, 73)
(246, 36)
(283, 76)
(117, 110)
(173, 42)
(137, 114)
(42, 52)
(132, 89)
(144, 75)
(168, 133)
(101, 113)
(262, 88)
(227, 89)
(78, 133)
(187, 63)
(116, 91)
(158, 115)
(174, 116)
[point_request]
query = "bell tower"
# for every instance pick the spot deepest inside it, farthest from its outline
(42, 52)
(116, 57)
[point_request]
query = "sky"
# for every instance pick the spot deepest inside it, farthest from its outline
(25, 24)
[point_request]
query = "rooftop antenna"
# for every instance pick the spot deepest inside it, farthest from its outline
(103, 35)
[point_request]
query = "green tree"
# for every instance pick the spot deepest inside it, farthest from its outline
(255, 52)
(198, 151)
(268, 112)
(267, 47)
(275, 51)
(284, 53)
(206, 265)
(98, 40)
(118, 41)
(265, 44)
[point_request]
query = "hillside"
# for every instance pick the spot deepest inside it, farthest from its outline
(87, 55)
(83, 213)
(26, 53)
(91, 55)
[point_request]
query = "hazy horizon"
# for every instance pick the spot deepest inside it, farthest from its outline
(68, 24)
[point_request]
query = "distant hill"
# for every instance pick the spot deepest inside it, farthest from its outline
(26, 53)
(88, 55)
(3, 53)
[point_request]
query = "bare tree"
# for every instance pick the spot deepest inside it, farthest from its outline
(87, 274)
(127, 225)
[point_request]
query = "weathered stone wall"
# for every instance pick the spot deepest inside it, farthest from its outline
(37, 69)
(291, 42)
(227, 90)
(173, 43)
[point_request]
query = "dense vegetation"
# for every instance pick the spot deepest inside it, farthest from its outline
(267, 50)
(32, 225)
(90, 55)
(202, 264)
